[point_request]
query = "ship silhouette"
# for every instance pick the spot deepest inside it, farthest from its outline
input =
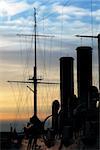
(76, 123)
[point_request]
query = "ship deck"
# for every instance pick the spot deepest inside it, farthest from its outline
(77, 145)
(41, 145)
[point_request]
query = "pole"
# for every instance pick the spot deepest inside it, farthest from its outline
(35, 68)
(99, 58)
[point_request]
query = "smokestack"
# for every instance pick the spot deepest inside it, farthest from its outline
(66, 83)
(84, 73)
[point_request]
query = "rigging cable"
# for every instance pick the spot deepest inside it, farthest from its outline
(92, 39)
(45, 105)
(52, 14)
(92, 21)
(23, 100)
(41, 92)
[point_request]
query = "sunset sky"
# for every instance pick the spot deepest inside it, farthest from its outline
(62, 19)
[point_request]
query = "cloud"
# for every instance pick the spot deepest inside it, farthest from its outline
(59, 21)
(70, 10)
(13, 8)
(96, 15)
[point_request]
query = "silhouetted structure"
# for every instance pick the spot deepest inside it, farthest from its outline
(66, 83)
(33, 131)
(55, 108)
(67, 94)
(94, 96)
(84, 73)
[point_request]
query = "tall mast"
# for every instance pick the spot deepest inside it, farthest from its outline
(35, 67)
(98, 37)
(34, 79)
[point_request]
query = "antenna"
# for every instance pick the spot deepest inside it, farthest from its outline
(98, 37)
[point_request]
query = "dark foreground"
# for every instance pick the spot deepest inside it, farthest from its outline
(22, 144)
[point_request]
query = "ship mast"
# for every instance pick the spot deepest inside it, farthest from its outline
(98, 37)
(35, 67)
(34, 79)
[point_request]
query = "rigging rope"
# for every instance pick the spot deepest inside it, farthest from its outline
(51, 92)
(45, 94)
(92, 21)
